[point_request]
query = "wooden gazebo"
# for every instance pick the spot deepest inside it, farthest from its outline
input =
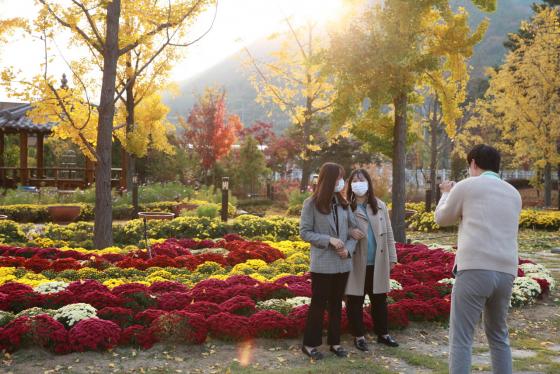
(13, 120)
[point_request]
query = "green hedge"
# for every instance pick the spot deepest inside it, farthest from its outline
(40, 213)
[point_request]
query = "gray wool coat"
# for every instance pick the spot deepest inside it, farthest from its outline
(384, 255)
(317, 228)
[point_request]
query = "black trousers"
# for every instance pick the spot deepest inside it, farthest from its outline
(326, 290)
(355, 305)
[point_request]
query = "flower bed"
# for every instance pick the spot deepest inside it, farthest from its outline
(529, 219)
(80, 234)
(232, 289)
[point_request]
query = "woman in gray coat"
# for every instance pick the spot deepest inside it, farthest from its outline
(325, 223)
(372, 262)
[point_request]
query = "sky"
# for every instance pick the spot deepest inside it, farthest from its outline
(238, 23)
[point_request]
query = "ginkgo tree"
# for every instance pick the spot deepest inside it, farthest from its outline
(295, 80)
(9, 25)
(522, 104)
(383, 53)
(109, 30)
(142, 74)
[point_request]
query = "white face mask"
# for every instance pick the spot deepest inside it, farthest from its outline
(360, 188)
(339, 186)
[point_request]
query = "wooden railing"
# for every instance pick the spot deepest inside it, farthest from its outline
(60, 177)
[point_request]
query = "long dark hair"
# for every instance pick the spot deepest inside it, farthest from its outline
(351, 196)
(324, 192)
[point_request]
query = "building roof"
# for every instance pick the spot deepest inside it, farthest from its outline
(13, 118)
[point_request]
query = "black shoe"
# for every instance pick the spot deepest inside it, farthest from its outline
(340, 352)
(387, 340)
(314, 354)
(361, 344)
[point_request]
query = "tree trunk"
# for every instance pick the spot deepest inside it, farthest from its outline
(103, 232)
(558, 172)
(433, 153)
(130, 106)
(548, 185)
(305, 174)
(306, 165)
(398, 195)
(458, 166)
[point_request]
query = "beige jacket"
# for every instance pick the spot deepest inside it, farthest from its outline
(487, 210)
(384, 255)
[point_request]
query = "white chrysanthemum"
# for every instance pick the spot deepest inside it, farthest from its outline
(525, 290)
(73, 313)
(446, 248)
(395, 285)
(299, 300)
(538, 271)
(279, 305)
(450, 281)
(51, 287)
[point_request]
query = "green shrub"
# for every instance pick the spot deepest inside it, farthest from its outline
(26, 212)
(150, 193)
(297, 197)
(294, 210)
(275, 227)
(183, 227)
(210, 194)
(40, 213)
(295, 202)
(11, 232)
(286, 228)
(188, 227)
(6, 317)
(244, 204)
(78, 234)
(252, 226)
(208, 210)
(172, 191)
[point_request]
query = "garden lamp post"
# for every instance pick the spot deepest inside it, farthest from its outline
(225, 197)
(135, 194)
(314, 182)
(438, 190)
(428, 201)
(268, 188)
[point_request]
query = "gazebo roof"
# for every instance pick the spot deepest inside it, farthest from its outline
(13, 118)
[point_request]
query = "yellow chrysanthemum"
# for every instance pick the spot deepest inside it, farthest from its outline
(281, 275)
(163, 274)
(112, 283)
(88, 273)
(258, 277)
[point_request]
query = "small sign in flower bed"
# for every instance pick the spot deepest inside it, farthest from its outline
(73, 299)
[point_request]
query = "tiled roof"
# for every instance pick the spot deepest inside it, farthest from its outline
(13, 119)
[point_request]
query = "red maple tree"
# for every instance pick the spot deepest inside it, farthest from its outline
(260, 131)
(210, 130)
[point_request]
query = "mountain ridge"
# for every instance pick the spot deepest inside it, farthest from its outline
(240, 94)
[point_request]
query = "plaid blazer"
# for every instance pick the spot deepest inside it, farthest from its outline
(317, 228)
